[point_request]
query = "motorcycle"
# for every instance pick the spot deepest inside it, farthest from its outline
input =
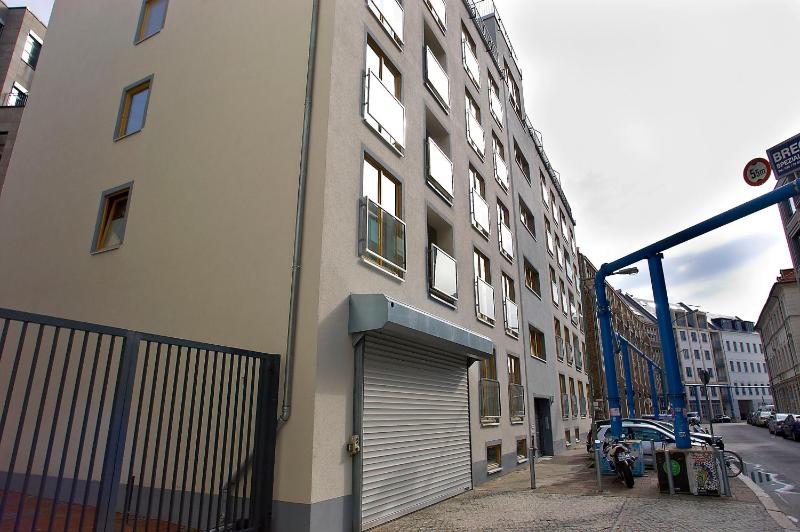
(620, 459)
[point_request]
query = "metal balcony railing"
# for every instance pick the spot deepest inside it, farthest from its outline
(439, 11)
(489, 397)
(443, 275)
(559, 348)
(383, 237)
(15, 99)
(570, 355)
(506, 241)
(471, 64)
(475, 135)
(390, 14)
(437, 79)
(440, 170)
(480, 212)
(484, 300)
(511, 312)
(564, 406)
(495, 106)
(384, 112)
(516, 402)
(501, 171)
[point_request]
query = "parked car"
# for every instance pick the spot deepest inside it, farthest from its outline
(691, 417)
(721, 418)
(638, 430)
(751, 417)
(706, 439)
(775, 424)
(791, 427)
(763, 418)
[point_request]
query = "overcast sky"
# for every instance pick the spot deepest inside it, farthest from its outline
(650, 110)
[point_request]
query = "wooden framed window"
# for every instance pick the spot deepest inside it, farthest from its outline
(111, 219)
(493, 459)
(483, 270)
(133, 108)
(489, 368)
(532, 280)
(514, 372)
(522, 451)
(537, 343)
(380, 65)
(476, 182)
(526, 217)
(383, 234)
(554, 287)
(151, 20)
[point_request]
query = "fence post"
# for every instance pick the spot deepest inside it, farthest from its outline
(264, 448)
(117, 431)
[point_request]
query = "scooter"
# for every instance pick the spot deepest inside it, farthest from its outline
(620, 459)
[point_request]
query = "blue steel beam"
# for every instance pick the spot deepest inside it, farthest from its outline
(670, 354)
(653, 393)
(626, 365)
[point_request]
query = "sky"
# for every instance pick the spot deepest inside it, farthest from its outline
(649, 110)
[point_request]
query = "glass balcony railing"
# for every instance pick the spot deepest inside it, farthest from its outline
(480, 212)
(444, 275)
(475, 135)
(560, 348)
(564, 406)
(570, 354)
(383, 239)
(516, 402)
(511, 317)
(471, 64)
(384, 112)
(506, 242)
(583, 406)
(440, 170)
(437, 78)
(496, 106)
(484, 300)
(390, 14)
(489, 401)
(501, 171)
(439, 11)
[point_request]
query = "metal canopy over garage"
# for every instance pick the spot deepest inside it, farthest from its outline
(411, 408)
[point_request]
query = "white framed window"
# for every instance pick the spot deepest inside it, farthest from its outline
(32, 49)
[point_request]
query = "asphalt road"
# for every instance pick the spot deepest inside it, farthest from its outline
(772, 462)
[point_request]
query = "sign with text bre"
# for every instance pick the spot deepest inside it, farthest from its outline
(785, 157)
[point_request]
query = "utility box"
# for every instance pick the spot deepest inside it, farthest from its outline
(680, 478)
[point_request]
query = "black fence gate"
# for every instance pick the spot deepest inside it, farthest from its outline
(110, 429)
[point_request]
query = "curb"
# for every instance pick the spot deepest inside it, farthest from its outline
(769, 505)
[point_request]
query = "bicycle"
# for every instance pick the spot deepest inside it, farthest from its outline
(734, 466)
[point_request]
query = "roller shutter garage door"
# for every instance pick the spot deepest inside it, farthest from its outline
(416, 439)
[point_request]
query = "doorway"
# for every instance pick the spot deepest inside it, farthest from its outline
(544, 429)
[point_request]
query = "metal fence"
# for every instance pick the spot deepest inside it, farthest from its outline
(112, 429)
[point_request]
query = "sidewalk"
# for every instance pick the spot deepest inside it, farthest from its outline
(566, 498)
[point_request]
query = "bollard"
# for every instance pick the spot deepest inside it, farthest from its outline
(668, 464)
(532, 464)
(724, 480)
(597, 465)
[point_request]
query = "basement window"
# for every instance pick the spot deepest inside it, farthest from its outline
(493, 459)
(522, 451)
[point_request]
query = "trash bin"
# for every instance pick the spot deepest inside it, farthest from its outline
(680, 477)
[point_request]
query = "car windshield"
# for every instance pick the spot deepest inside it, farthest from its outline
(780, 417)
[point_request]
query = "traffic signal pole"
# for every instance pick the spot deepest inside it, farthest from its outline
(652, 254)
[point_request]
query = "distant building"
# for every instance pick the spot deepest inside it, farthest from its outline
(791, 224)
(21, 41)
(779, 325)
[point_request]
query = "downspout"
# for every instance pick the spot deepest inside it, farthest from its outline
(288, 365)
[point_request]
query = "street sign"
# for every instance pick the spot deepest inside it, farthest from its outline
(785, 157)
(757, 172)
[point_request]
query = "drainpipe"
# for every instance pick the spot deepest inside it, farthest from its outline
(288, 365)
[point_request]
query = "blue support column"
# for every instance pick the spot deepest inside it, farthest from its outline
(607, 338)
(671, 363)
(626, 366)
(664, 389)
(697, 401)
(653, 392)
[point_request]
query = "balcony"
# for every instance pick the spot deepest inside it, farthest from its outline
(439, 11)
(559, 348)
(440, 171)
(475, 135)
(506, 242)
(480, 212)
(390, 14)
(471, 64)
(383, 238)
(489, 392)
(496, 107)
(484, 301)
(436, 79)
(443, 275)
(570, 354)
(564, 406)
(516, 402)
(501, 171)
(511, 314)
(384, 112)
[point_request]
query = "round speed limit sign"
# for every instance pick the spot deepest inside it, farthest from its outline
(757, 172)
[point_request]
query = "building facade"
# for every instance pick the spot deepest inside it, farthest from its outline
(746, 364)
(791, 224)
(779, 325)
(21, 41)
(432, 225)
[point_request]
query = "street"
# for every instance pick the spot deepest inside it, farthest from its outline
(771, 461)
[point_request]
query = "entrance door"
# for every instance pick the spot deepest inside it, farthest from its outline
(544, 429)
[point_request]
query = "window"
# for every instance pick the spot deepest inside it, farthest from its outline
(489, 391)
(554, 209)
(522, 451)
(522, 162)
(566, 438)
(470, 52)
(516, 392)
(484, 292)
(554, 287)
(513, 92)
(697, 354)
(562, 382)
(500, 166)
(32, 49)
(731, 365)
(506, 239)
(151, 20)
(544, 189)
(577, 435)
(735, 347)
(390, 15)
(493, 459)
(728, 344)
(474, 127)
(133, 108)
(532, 280)
(713, 392)
(683, 335)
(582, 398)
(526, 217)
(18, 96)
(573, 399)
(748, 347)
(745, 367)
(383, 110)
(704, 337)
(564, 304)
(688, 372)
(738, 365)
(694, 336)
(752, 367)
(573, 309)
(560, 254)
(495, 105)
(383, 241)
(708, 355)
(710, 373)
(537, 343)
(511, 313)
(111, 219)
(549, 232)
(741, 347)
(480, 209)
